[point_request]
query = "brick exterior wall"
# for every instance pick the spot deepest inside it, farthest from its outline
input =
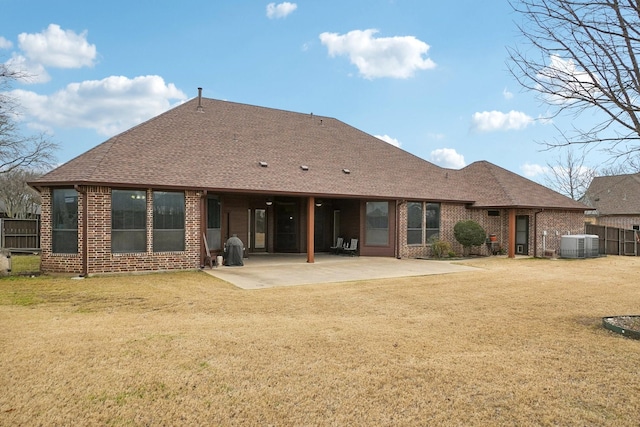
(100, 259)
(99, 256)
(555, 222)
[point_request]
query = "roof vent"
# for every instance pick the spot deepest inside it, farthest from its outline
(264, 164)
(304, 167)
(200, 109)
(347, 171)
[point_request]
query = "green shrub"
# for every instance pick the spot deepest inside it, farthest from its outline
(469, 233)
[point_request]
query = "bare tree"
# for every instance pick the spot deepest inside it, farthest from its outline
(569, 175)
(20, 200)
(625, 165)
(583, 55)
(16, 149)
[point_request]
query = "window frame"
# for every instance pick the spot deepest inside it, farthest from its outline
(61, 227)
(427, 230)
(164, 223)
(129, 221)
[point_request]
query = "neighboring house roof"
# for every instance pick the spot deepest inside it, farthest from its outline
(614, 195)
(219, 148)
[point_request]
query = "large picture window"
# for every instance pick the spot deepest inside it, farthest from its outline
(168, 221)
(128, 221)
(423, 222)
(64, 209)
(377, 224)
(213, 224)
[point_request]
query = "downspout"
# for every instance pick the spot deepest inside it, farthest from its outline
(85, 230)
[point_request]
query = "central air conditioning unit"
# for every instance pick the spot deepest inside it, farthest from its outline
(579, 246)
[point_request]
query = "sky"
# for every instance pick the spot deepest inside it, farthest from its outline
(423, 75)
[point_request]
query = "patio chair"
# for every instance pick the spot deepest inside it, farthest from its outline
(352, 248)
(338, 247)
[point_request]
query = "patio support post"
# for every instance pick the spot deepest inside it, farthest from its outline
(512, 233)
(311, 210)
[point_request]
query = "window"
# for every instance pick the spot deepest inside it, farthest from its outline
(213, 224)
(377, 224)
(493, 213)
(433, 221)
(423, 222)
(168, 221)
(64, 224)
(414, 223)
(128, 221)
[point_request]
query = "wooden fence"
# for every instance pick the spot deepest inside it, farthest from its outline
(20, 235)
(615, 241)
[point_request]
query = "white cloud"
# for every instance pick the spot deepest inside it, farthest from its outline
(281, 10)
(55, 47)
(448, 158)
(109, 106)
(489, 121)
(5, 44)
(507, 94)
(34, 72)
(396, 57)
(436, 136)
(388, 139)
(532, 170)
(565, 82)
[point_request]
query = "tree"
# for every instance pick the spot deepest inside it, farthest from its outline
(570, 176)
(20, 200)
(469, 233)
(16, 149)
(584, 55)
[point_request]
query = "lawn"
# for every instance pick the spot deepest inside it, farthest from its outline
(517, 342)
(25, 264)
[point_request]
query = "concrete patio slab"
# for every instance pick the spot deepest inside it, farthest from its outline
(275, 270)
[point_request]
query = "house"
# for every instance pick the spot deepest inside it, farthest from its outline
(615, 201)
(283, 182)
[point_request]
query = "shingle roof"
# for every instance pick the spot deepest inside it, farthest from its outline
(221, 147)
(498, 187)
(615, 195)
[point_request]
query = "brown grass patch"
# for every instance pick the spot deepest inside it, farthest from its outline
(519, 342)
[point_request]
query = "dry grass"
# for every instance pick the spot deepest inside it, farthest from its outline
(519, 342)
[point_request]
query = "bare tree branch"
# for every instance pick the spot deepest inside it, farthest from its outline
(569, 175)
(20, 200)
(16, 149)
(581, 55)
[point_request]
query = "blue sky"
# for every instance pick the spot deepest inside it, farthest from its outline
(423, 75)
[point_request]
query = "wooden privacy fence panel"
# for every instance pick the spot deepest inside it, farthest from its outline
(20, 234)
(615, 241)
